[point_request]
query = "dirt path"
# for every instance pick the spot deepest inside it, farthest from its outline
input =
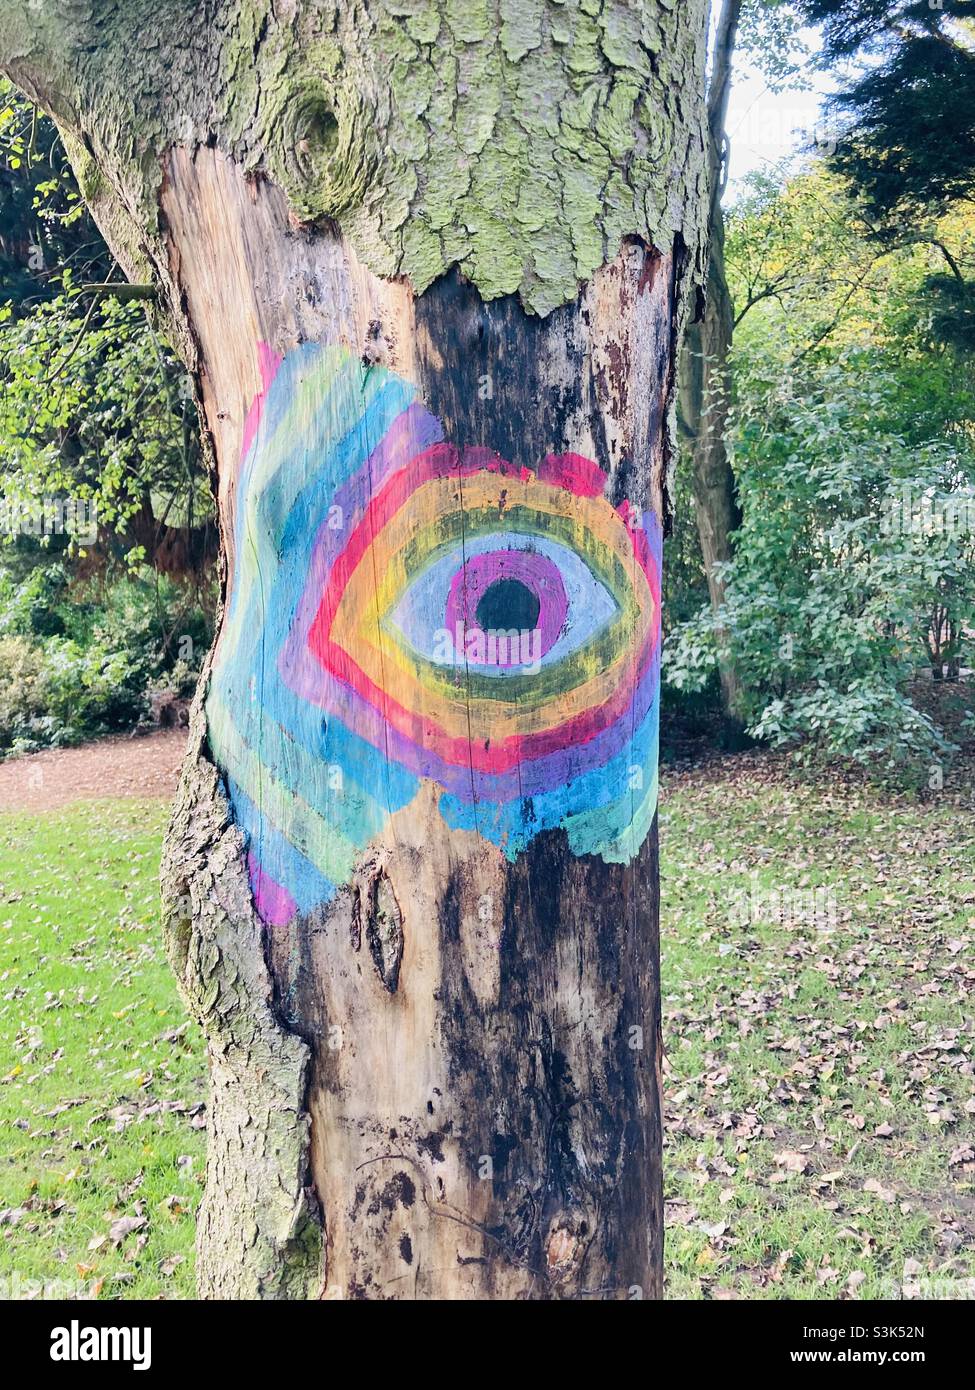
(108, 767)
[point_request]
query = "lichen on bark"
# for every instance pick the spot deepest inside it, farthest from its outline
(521, 140)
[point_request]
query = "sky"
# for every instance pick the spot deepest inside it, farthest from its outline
(765, 127)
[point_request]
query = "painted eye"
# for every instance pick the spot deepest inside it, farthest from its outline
(459, 548)
(406, 611)
(502, 603)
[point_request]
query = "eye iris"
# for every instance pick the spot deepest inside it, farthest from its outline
(507, 604)
(502, 589)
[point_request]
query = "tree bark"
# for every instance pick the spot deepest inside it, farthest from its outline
(705, 386)
(432, 303)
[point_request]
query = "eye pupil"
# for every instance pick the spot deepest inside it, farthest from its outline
(507, 604)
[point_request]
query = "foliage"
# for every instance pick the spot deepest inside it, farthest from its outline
(769, 37)
(809, 277)
(907, 114)
(837, 573)
(910, 102)
(22, 687)
(849, 409)
(94, 405)
(95, 411)
(72, 667)
(90, 410)
(45, 227)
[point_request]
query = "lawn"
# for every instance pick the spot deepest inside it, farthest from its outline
(102, 1078)
(818, 1016)
(817, 968)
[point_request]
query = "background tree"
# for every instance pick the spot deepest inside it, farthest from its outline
(852, 429)
(704, 385)
(108, 541)
(427, 264)
(767, 28)
(908, 118)
(94, 403)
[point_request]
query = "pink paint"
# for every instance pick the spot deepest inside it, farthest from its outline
(268, 362)
(574, 473)
(274, 903)
(535, 571)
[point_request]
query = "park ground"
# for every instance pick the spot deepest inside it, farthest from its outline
(818, 1019)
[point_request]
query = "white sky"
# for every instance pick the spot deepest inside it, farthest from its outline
(765, 127)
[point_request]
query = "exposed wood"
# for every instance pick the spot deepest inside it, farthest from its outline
(482, 1025)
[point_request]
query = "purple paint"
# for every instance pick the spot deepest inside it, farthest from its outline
(537, 572)
(274, 903)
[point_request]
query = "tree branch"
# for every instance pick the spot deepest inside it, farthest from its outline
(952, 263)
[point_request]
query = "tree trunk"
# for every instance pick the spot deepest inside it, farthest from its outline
(705, 397)
(705, 387)
(428, 265)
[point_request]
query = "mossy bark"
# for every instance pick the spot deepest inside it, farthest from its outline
(454, 191)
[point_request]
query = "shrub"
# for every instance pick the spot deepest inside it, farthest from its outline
(830, 597)
(22, 688)
(99, 655)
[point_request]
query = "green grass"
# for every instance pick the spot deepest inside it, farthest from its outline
(819, 1088)
(819, 1083)
(98, 1073)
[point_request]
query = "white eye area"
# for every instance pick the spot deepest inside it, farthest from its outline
(505, 582)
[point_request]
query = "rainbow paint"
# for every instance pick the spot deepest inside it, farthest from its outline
(403, 610)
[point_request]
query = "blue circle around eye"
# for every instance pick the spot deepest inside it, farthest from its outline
(419, 615)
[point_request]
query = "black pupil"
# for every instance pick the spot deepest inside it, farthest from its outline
(507, 604)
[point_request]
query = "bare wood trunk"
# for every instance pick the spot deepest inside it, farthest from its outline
(481, 1026)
